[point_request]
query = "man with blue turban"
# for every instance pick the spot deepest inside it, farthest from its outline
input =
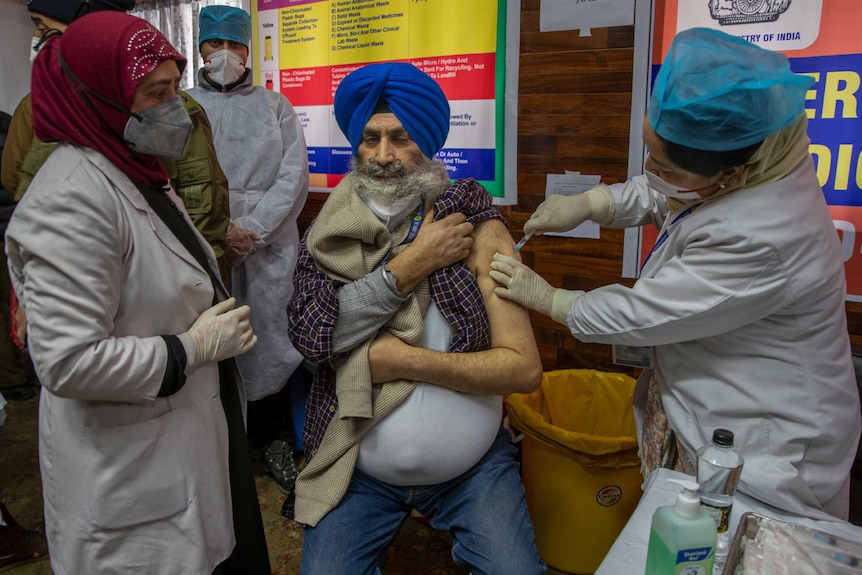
(394, 303)
(741, 301)
(261, 147)
(413, 96)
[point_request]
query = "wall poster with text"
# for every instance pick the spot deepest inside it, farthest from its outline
(821, 39)
(305, 47)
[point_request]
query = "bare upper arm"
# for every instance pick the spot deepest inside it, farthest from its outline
(509, 321)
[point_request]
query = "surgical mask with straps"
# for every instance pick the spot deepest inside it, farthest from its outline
(160, 130)
(35, 45)
(38, 41)
(224, 67)
(672, 191)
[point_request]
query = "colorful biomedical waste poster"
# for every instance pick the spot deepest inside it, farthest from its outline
(305, 47)
(821, 38)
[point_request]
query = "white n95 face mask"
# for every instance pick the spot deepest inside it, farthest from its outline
(672, 191)
(224, 67)
(162, 130)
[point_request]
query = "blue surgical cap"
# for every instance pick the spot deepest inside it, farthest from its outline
(225, 23)
(412, 95)
(717, 92)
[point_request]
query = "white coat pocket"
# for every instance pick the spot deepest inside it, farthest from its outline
(140, 473)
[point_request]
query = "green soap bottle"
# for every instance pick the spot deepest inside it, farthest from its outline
(683, 536)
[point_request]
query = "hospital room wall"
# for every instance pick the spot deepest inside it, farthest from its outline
(574, 107)
(574, 114)
(16, 30)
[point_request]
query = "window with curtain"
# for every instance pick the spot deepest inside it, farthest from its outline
(178, 21)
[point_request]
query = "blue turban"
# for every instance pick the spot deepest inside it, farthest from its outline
(225, 23)
(717, 92)
(412, 95)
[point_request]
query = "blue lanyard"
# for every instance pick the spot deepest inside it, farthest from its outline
(664, 235)
(415, 224)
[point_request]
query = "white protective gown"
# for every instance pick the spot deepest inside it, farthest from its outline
(261, 149)
(743, 306)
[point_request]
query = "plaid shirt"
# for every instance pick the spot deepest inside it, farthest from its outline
(313, 310)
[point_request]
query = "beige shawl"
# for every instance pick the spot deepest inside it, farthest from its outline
(348, 241)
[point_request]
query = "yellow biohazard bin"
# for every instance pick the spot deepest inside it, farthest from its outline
(579, 463)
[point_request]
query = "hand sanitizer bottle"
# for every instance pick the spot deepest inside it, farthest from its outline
(683, 536)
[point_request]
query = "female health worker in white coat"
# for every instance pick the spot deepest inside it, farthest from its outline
(741, 302)
(144, 458)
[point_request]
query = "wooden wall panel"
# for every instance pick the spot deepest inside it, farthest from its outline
(580, 104)
(854, 322)
(574, 112)
(309, 212)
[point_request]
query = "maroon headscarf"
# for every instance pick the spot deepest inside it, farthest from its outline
(109, 53)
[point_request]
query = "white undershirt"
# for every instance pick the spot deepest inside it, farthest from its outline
(437, 433)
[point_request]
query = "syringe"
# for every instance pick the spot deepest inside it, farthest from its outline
(523, 241)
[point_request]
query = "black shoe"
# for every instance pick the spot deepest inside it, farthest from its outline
(279, 462)
(19, 392)
(19, 546)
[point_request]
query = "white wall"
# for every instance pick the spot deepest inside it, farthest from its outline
(16, 31)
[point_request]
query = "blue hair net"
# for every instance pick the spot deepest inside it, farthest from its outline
(412, 95)
(225, 23)
(717, 92)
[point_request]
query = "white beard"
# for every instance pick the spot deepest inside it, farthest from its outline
(427, 181)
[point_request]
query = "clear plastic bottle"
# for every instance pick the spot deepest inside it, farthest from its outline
(718, 469)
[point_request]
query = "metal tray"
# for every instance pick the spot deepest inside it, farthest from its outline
(750, 524)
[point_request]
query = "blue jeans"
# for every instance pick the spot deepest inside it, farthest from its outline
(484, 509)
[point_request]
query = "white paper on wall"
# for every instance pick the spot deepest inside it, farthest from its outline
(571, 184)
(584, 14)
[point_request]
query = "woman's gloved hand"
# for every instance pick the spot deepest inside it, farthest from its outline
(564, 213)
(559, 214)
(524, 286)
(221, 332)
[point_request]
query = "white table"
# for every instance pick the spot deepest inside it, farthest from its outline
(628, 553)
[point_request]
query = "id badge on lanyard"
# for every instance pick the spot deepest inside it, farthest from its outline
(636, 356)
(415, 224)
(633, 356)
(665, 231)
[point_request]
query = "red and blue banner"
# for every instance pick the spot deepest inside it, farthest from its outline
(822, 39)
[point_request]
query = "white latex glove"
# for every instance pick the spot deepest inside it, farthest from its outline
(221, 332)
(564, 213)
(524, 286)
